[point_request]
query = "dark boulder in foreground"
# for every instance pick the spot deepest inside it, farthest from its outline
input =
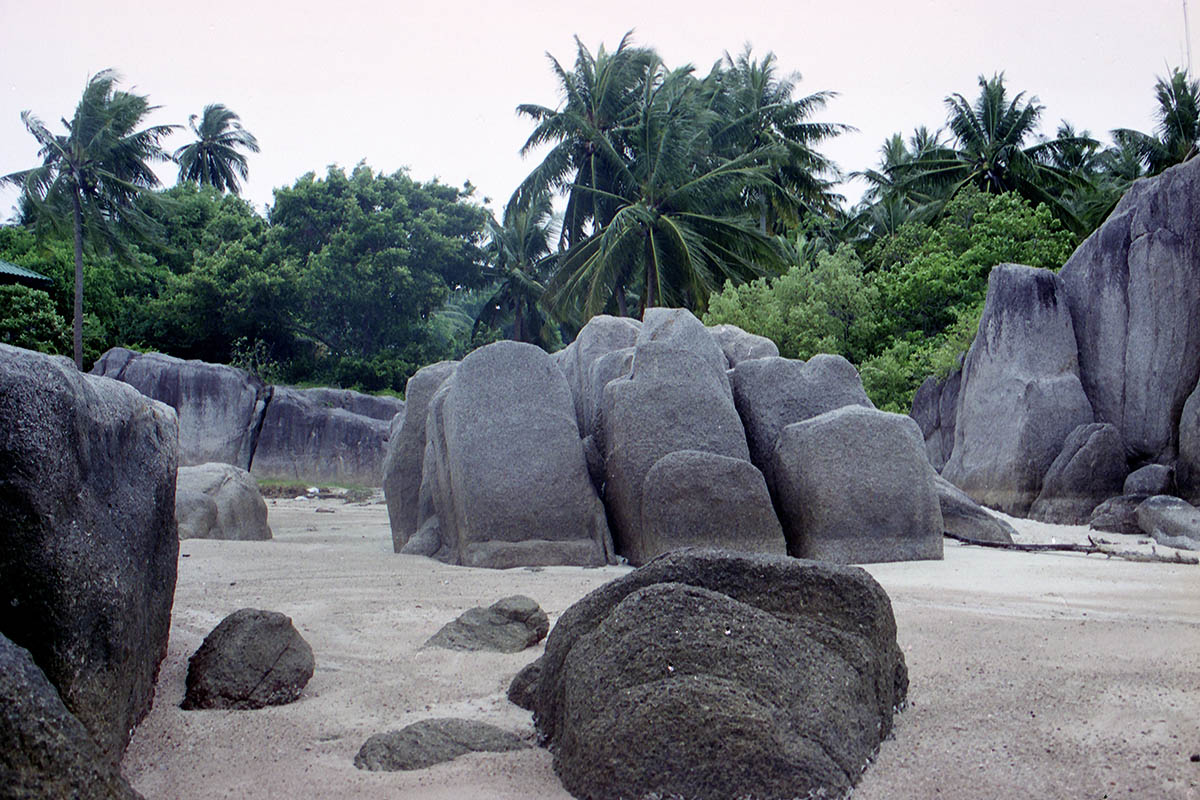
(220, 501)
(509, 625)
(252, 659)
(432, 741)
(45, 752)
(88, 544)
(709, 674)
(1118, 515)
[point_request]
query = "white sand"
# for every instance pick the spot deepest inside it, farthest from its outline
(1032, 675)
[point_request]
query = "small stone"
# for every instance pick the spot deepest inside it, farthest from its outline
(433, 741)
(509, 625)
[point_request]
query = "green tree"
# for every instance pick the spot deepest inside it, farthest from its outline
(214, 158)
(1177, 135)
(520, 255)
(28, 319)
(92, 174)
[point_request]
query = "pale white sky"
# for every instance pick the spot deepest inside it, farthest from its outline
(433, 85)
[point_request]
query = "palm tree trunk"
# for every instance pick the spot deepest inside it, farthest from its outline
(77, 214)
(621, 307)
(518, 328)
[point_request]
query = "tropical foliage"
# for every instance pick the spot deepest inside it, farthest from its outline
(214, 158)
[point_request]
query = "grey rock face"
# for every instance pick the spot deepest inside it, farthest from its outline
(380, 407)
(252, 659)
(523, 689)
(772, 393)
(602, 335)
(89, 545)
(220, 408)
(1150, 480)
(1090, 469)
(739, 346)
(44, 750)
(962, 516)
(695, 499)
(935, 408)
(1170, 521)
(674, 399)
(1021, 395)
(303, 438)
(510, 484)
(405, 456)
(679, 328)
(854, 486)
(509, 625)
(219, 501)
(432, 741)
(707, 674)
(1118, 515)
(1133, 288)
(1187, 468)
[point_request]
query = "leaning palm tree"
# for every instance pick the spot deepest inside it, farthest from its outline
(1176, 138)
(213, 159)
(92, 175)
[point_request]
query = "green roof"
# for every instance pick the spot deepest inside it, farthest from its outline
(12, 271)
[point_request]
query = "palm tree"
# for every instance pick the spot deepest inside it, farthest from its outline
(92, 174)
(990, 150)
(679, 226)
(213, 159)
(1177, 135)
(520, 250)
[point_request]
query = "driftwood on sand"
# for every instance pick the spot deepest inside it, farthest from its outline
(1093, 546)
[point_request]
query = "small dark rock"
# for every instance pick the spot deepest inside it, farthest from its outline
(433, 741)
(509, 625)
(252, 659)
(523, 688)
(1118, 515)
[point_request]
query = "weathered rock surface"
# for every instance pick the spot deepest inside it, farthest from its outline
(1118, 515)
(1133, 289)
(304, 438)
(1187, 467)
(89, 545)
(603, 334)
(219, 501)
(220, 408)
(695, 499)
(509, 625)
(380, 407)
(1150, 480)
(432, 741)
(45, 752)
(1090, 469)
(1021, 394)
(1170, 521)
(739, 345)
(962, 516)
(522, 692)
(405, 457)
(772, 393)
(935, 408)
(854, 486)
(508, 477)
(678, 328)
(707, 674)
(252, 659)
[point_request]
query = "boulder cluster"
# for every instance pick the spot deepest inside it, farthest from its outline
(228, 415)
(1081, 385)
(641, 437)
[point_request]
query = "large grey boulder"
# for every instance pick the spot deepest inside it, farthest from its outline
(405, 455)
(252, 659)
(1021, 395)
(739, 345)
(601, 335)
(45, 752)
(1187, 467)
(696, 499)
(303, 438)
(220, 408)
(219, 501)
(854, 486)
(381, 407)
(1133, 289)
(511, 485)
(964, 518)
(709, 674)
(935, 408)
(433, 741)
(88, 545)
(1150, 480)
(772, 393)
(1090, 469)
(508, 625)
(678, 328)
(1170, 521)
(675, 398)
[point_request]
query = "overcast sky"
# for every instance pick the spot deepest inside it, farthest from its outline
(432, 86)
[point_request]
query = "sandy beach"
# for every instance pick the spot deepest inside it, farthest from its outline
(1032, 675)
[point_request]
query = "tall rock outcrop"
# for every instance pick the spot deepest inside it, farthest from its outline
(1021, 394)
